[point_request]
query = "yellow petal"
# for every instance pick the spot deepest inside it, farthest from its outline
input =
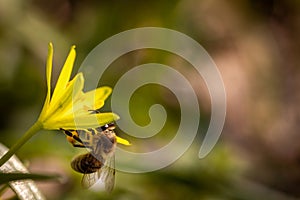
(65, 73)
(95, 98)
(91, 100)
(49, 70)
(81, 121)
(122, 141)
(48, 77)
(63, 103)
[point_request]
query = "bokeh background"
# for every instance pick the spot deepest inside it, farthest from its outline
(255, 45)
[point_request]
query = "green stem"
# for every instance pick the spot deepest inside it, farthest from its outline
(35, 128)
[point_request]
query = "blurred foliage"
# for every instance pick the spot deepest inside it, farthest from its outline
(255, 45)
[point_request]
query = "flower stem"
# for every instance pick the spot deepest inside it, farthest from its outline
(33, 129)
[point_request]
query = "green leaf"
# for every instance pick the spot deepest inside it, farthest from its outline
(7, 177)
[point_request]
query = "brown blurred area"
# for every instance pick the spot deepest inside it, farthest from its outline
(255, 45)
(259, 64)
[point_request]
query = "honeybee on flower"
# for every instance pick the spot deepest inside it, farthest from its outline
(74, 111)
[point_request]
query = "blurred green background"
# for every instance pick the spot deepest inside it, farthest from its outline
(255, 45)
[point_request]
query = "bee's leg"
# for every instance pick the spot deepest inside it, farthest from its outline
(74, 139)
(94, 111)
(79, 145)
(72, 136)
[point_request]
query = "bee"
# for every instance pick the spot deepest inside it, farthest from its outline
(99, 163)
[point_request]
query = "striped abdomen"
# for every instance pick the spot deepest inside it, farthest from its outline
(86, 164)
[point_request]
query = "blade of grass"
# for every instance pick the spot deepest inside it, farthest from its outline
(7, 177)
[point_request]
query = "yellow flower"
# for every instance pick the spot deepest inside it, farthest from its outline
(69, 107)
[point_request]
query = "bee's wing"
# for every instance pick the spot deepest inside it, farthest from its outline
(89, 180)
(108, 173)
